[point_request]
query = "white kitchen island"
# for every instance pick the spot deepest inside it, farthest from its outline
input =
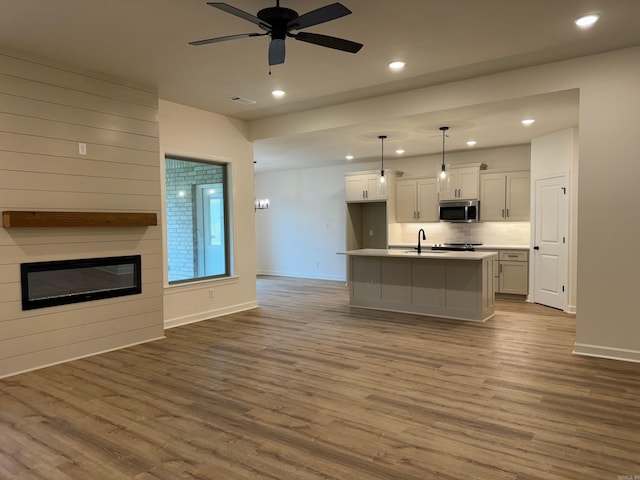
(447, 284)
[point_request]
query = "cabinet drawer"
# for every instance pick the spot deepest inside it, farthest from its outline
(514, 256)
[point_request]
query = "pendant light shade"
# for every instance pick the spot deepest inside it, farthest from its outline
(382, 137)
(444, 179)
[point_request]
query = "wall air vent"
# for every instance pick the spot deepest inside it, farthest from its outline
(242, 101)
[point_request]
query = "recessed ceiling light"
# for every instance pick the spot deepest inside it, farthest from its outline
(278, 93)
(349, 157)
(400, 151)
(587, 21)
(528, 121)
(397, 64)
(471, 143)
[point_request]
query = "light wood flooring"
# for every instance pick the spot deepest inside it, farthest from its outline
(307, 388)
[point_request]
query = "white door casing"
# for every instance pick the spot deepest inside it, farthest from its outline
(550, 251)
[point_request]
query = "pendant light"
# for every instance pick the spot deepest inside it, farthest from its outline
(444, 177)
(382, 137)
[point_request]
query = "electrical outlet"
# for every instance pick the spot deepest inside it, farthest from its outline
(371, 233)
(211, 293)
(82, 148)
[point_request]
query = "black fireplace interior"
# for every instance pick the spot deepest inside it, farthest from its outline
(46, 284)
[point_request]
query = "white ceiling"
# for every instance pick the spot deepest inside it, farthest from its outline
(146, 41)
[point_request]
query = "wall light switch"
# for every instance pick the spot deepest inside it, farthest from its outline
(82, 148)
(371, 233)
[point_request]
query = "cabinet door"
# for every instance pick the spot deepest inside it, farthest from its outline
(452, 192)
(496, 275)
(468, 183)
(492, 197)
(464, 184)
(514, 277)
(376, 190)
(356, 188)
(518, 188)
(406, 200)
(365, 278)
(427, 204)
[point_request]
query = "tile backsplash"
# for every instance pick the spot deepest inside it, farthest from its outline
(488, 233)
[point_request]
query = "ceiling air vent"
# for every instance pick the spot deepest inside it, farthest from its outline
(242, 101)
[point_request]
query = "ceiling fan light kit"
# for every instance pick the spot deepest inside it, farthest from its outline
(279, 23)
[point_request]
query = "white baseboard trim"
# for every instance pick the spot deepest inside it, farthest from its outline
(606, 352)
(309, 276)
(209, 314)
(571, 309)
(79, 357)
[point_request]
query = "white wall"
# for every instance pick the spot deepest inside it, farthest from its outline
(304, 227)
(192, 133)
(607, 323)
(47, 108)
(609, 202)
(555, 154)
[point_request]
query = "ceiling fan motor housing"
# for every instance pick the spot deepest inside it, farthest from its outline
(277, 18)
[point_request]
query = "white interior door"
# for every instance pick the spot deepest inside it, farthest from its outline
(550, 251)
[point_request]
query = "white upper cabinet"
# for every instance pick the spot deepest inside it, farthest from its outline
(365, 187)
(417, 200)
(464, 183)
(505, 196)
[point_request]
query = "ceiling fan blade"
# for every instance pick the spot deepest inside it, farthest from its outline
(228, 37)
(276, 51)
(330, 42)
(320, 15)
(240, 13)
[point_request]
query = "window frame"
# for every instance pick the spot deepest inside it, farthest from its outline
(227, 219)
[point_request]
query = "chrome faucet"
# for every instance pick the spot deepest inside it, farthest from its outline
(424, 237)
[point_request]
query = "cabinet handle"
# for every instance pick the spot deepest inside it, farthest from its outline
(503, 213)
(418, 214)
(507, 213)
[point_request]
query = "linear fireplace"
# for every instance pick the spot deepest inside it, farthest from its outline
(45, 284)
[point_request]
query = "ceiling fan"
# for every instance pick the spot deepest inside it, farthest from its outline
(278, 22)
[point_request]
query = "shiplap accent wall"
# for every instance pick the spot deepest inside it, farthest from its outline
(46, 109)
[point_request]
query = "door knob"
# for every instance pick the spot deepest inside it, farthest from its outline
(536, 247)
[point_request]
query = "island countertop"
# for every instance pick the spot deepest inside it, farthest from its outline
(426, 253)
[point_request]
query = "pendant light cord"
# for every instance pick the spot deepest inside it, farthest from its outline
(444, 133)
(382, 137)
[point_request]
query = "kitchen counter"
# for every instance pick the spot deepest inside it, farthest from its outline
(426, 253)
(503, 247)
(406, 246)
(456, 285)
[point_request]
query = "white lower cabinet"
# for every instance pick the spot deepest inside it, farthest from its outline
(512, 272)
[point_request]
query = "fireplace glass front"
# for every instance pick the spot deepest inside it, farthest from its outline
(45, 284)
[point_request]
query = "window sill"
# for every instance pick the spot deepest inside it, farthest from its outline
(199, 284)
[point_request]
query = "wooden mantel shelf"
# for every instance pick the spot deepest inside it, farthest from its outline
(32, 218)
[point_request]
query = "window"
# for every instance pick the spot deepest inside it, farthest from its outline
(197, 219)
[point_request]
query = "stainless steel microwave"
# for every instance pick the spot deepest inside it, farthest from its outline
(460, 212)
